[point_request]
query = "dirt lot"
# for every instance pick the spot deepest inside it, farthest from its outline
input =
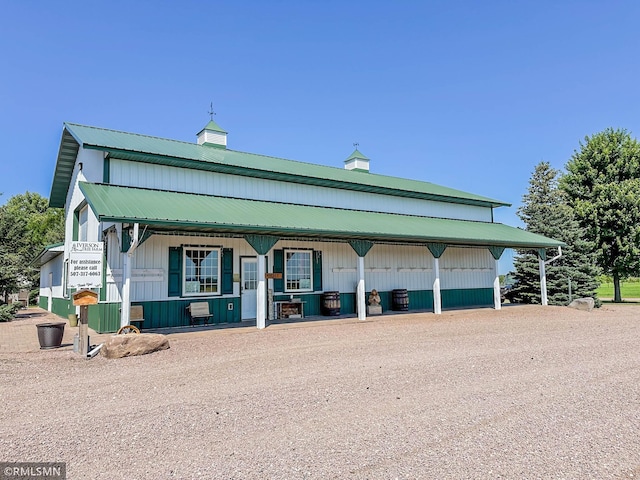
(525, 392)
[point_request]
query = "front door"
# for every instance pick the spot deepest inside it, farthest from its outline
(249, 287)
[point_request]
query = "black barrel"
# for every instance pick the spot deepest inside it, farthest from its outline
(50, 335)
(400, 300)
(330, 303)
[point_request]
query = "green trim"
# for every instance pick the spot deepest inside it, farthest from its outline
(361, 247)
(261, 243)
(105, 317)
(468, 297)
(76, 225)
(436, 249)
(227, 271)
(106, 170)
(542, 254)
(496, 252)
(278, 267)
(65, 165)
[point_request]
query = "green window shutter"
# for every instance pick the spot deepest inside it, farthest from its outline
(76, 226)
(227, 270)
(278, 267)
(317, 270)
(175, 271)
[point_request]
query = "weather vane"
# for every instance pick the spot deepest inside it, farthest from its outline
(211, 112)
(356, 144)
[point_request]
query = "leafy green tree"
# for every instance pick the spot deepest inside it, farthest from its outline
(27, 225)
(545, 211)
(602, 184)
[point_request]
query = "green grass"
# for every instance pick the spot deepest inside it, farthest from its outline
(628, 290)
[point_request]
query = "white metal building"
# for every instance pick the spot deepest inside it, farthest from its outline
(198, 222)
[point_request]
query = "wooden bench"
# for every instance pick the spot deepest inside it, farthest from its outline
(197, 311)
(136, 316)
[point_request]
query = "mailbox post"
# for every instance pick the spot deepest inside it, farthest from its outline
(84, 298)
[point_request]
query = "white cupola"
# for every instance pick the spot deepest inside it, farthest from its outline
(212, 135)
(357, 161)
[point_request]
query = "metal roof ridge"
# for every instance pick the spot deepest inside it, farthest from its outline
(325, 207)
(133, 134)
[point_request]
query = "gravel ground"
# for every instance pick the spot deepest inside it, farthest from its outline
(522, 393)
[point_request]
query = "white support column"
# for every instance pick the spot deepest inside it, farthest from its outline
(543, 282)
(126, 277)
(437, 299)
(126, 290)
(261, 294)
(360, 291)
(497, 300)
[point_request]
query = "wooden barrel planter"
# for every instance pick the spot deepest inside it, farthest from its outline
(400, 300)
(330, 303)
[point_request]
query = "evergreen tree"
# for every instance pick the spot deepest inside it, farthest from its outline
(602, 185)
(545, 211)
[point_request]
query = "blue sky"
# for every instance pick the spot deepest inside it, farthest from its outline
(467, 94)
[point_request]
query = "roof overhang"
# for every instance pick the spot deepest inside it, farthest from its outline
(47, 254)
(222, 215)
(65, 164)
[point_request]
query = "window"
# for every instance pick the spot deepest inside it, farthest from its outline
(201, 271)
(298, 271)
(83, 220)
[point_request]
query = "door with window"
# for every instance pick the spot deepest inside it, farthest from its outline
(249, 287)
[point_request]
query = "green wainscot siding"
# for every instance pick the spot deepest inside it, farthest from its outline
(471, 297)
(105, 317)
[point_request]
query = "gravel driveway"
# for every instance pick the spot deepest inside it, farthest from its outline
(523, 393)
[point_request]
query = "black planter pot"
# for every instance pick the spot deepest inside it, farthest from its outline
(50, 335)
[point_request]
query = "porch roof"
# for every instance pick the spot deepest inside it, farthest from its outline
(193, 212)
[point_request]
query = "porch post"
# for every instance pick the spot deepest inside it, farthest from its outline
(126, 290)
(362, 305)
(361, 247)
(261, 244)
(261, 294)
(496, 252)
(543, 282)
(437, 299)
(436, 249)
(497, 301)
(126, 276)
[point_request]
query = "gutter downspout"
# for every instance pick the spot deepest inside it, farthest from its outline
(126, 278)
(543, 276)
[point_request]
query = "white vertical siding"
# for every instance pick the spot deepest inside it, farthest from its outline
(387, 267)
(209, 183)
(467, 268)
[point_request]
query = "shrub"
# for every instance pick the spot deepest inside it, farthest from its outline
(7, 312)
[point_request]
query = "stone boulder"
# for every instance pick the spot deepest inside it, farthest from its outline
(132, 344)
(585, 304)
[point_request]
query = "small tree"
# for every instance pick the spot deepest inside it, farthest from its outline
(603, 187)
(27, 225)
(546, 212)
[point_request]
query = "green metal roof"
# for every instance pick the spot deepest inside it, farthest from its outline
(142, 148)
(185, 211)
(356, 154)
(212, 126)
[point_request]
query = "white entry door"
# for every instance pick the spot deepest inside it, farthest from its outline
(249, 287)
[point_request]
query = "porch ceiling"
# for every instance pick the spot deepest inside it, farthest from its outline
(192, 212)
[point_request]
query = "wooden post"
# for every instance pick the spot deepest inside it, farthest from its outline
(83, 330)
(84, 298)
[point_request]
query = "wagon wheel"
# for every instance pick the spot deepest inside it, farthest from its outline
(128, 329)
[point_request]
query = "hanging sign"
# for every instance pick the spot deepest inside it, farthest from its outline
(85, 264)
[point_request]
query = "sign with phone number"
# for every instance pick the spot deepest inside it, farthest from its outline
(85, 264)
